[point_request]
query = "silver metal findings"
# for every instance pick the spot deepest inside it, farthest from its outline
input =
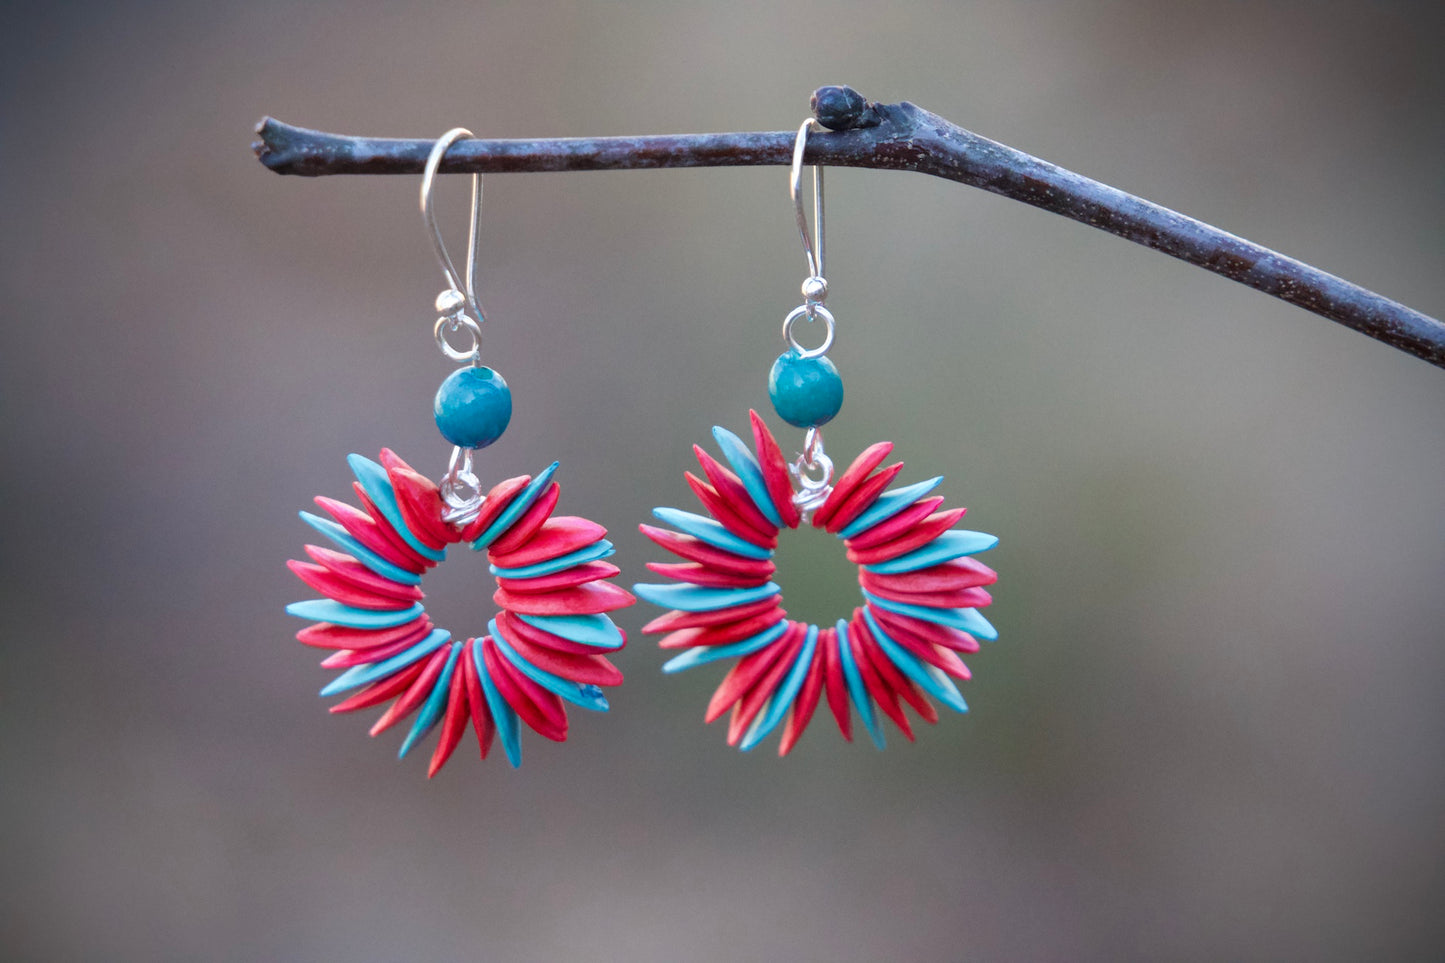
(815, 288)
(812, 469)
(814, 491)
(458, 304)
(815, 285)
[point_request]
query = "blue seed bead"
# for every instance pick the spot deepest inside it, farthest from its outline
(806, 392)
(473, 407)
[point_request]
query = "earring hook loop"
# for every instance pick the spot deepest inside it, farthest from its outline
(795, 185)
(428, 214)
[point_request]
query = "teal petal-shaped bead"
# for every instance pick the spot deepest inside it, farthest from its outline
(473, 407)
(695, 598)
(806, 392)
(750, 473)
(596, 630)
(862, 701)
(435, 705)
(508, 725)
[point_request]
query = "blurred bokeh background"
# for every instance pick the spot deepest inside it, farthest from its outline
(1212, 726)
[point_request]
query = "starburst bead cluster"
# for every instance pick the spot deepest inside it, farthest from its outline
(546, 647)
(921, 592)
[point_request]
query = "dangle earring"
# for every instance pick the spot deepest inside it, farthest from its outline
(921, 586)
(548, 642)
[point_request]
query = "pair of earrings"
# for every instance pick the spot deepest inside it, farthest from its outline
(548, 643)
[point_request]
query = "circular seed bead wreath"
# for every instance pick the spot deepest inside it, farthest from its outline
(545, 646)
(921, 594)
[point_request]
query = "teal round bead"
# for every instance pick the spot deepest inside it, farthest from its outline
(806, 392)
(473, 407)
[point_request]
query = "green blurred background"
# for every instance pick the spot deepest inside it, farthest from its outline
(1212, 725)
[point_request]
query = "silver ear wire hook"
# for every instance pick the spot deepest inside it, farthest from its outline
(455, 302)
(815, 288)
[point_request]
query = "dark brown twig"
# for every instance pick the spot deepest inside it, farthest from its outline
(890, 137)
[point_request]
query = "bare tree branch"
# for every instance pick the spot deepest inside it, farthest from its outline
(889, 137)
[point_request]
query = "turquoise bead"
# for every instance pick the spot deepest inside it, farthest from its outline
(806, 392)
(473, 407)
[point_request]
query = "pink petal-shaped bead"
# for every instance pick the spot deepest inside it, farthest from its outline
(567, 578)
(926, 710)
(345, 567)
(957, 574)
(731, 488)
(945, 659)
(482, 722)
(722, 634)
(705, 575)
(834, 684)
(742, 677)
(330, 585)
(678, 619)
(775, 471)
(384, 527)
(923, 533)
(721, 509)
(591, 599)
(930, 632)
(890, 529)
(951, 663)
(494, 503)
(364, 528)
(882, 693)
(870, 458)
(893, 677)
(696, 550)
(863, 496)
(528, 525)
(454, 723)
(807, 699)
(756, 697)
(346, 658)
(415, 695)
(420, 502)
(324, 635)
(969, 598)
(556, 537)
(529, 700)
(514, 628)
(382, 691)
(585, 669)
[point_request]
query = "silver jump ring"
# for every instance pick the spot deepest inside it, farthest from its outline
(810, 311)
(463, 323)
(823, 465)
(813, 490)
(460, 488)
(813, 457)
